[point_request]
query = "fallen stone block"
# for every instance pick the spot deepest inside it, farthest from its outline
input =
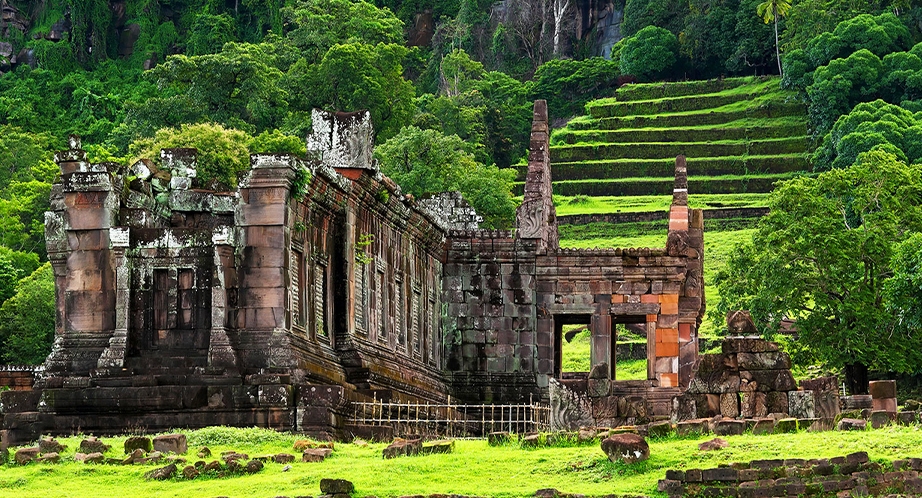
(403, 447)
(253, 466)
(336, 487)
(50, 445)
(497, 438)
(142, 443)
(851, 424)
(283, 458)
(907, 417)
(162, 473)
(880, 389)
(438, 447)
(729, 427)
(51, 457)
(190, 472)
(314, 455)
(786, 425)
(660, 429)
(714, 444)
(171, 443)
(93, 445)
(628, 448)
(881, 418)
(692, 427)
(26, 455)
(764, 426)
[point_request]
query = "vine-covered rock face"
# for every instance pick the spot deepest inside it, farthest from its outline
(627, 448)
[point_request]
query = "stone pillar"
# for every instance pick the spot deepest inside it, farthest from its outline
(88, 208)
(263, 218)
(114, 355)
(221, 354)
(536, 218)
(680, 314)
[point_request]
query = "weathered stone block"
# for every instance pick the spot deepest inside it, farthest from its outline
(691, 427)
(880, 389)
(628, 448)
(747, 345)
(753, 405)
(769, 360)
(881, 418)
(786, 425)
(171, 443)
(801, 404)
(142, 443)
(777, 402)
(730, 405)
(764, 426)
(727, 427)
(851, 424)
(907, 417)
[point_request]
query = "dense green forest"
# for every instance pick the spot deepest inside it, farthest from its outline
(449, 86)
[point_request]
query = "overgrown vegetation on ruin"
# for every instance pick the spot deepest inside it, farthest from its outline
(473, 469)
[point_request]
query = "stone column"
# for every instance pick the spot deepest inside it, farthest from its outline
(221, 354)
(114, 355)
(263, 218)
(88, 209)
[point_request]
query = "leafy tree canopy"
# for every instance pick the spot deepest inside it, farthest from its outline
(223, 153)
(822, 256)
(427, 162)
(357, 76)
(649, 54)
(27, 319)
(871, 125)
(318, 25)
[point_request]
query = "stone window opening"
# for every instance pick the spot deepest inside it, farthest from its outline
(579, 350)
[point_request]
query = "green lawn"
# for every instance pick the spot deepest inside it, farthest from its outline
(473, 469)
(581, 204)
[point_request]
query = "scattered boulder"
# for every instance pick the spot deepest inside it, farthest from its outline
(336, 487)
(548, 493)
(912, 405)
(50, 457)
(497, 438)
(142, 443)
(136, 456)
(531, 441)
(161, 474)
(190, 472)
(213, 467)
(303, 444)
(586, 435)
(205, 452)
(283, 458)
(626, 447)
(315, 454)
(26, 455)
(171, 443)
(714, 444)
(79, 457)
(253, 466)
(93, 445)
(231, 456)
(403, 447)
(95, 458)
(50, 445)
(852, 424)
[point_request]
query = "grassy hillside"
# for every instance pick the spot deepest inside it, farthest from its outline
(740, 136)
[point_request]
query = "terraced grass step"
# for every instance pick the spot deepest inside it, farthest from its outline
(716, 116)
(606, 108)
(584, 205)
(664, 186)
(664, 150)
(649, 91)
(683, 134)
(701, 166)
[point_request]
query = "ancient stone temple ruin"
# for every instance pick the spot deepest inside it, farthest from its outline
(317, 283)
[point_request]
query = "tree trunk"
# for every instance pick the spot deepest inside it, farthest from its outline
(856, 378)
(777, 50)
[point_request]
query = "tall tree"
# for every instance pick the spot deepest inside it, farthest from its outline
(770, 11)
(822, 257)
